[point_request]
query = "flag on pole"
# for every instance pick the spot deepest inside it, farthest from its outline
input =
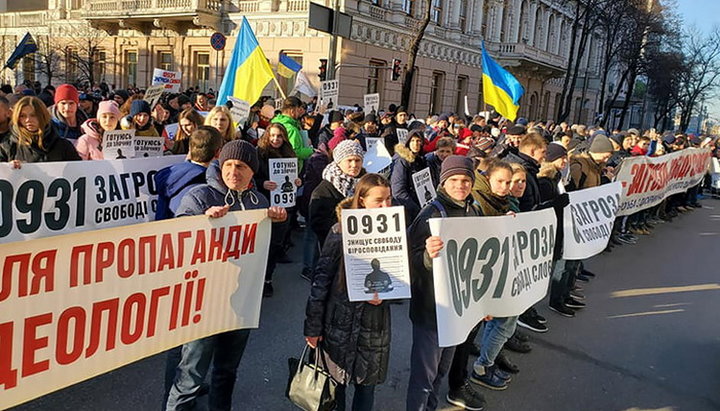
(303, 85)
(500, 88)
(287, 67)
(27, 46)
(249, 70)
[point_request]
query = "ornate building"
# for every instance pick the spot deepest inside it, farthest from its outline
(530, 37)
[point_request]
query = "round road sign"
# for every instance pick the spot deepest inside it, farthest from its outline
(217, 41)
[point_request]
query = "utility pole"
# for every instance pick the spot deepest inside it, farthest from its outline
(332, 57)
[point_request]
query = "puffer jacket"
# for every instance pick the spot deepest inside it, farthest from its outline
(216, 193)
(422, 304)
(356, 335)
(89, 145)
(63, 129)
(54, 149)
(531, 197)
(404, 165)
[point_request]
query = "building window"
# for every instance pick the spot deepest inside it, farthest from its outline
(408, 7)
(202, 73)
(436, 91)
(288, 84)
(165, 60)
(28, 67)
(463, 16)
(131, 69)
(436, 11)
(99, 66)
(375, 73)
(71, 58)
(462, 83)
(377, 2)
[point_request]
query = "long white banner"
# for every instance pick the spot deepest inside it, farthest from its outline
(496, 266)
(588, 220)
(79, 305)
(646, 181)
(46, 199)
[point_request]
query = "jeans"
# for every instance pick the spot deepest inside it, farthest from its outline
(497, 331)
(225, 350)
(428, 365)
(311, 252)
(363, 398)
(560, 285)
(173, 359)
(458, 370)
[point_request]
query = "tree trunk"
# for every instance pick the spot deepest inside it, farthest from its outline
(630, 87)
(571, 58)
(412, 55)
(608, 107)
(573, 78)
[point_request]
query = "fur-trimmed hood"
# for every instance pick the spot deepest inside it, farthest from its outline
(404, 152)
(547, 170)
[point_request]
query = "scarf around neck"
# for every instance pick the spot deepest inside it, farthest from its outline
(341, 181)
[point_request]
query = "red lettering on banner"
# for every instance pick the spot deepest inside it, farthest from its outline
(62, 355)
(7, 274)
(126, 258)
(153, 312)
(75, 262)
(639, 172)
(216, 244)
(249, 238)
(199, 248)
(129, 332)
(151, 242)
(182, 236)
(43, 268)
(32, 343)
(167, 257)
(112, 307)
(8, 375)
(199, 298)
(187, 302)
(104, 258)
(232, 245)
(175, 309)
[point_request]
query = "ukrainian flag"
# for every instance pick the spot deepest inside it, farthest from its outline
(500, 88)
(249, 70)
(287, 67)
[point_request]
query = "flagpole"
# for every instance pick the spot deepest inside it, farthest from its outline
(277, 84)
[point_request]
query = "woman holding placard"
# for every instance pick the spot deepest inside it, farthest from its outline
(89, 145)
(355, 335)
(33, 139)
(188, 121)
(274, 144)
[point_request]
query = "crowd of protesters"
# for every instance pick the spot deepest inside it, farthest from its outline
(481, 166)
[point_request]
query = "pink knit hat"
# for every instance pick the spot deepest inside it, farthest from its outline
(108, 107)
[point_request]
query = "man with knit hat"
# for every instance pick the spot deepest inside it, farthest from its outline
(66, 116)
(229, 188)
(428, 361)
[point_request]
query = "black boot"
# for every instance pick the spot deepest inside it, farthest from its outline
(503, 362)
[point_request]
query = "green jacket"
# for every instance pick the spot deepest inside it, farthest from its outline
(296, 139)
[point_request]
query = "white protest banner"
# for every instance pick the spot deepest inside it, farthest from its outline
(153, 94)
(240, 110)
(715, 173)
(377, 158)
(402, 134)
(283, 172)
(376, 253)
(170, 79)
(372, 102)
(498, 266)
(149, 146)
(48, 199)
(118, 144)
(171, 130)
(102, 300)
(646, 181)
(424, 188)
(329, 93)
(588, 220)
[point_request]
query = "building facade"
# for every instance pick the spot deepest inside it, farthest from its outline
(129, 38)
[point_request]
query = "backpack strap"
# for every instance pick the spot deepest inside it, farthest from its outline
(441, 208)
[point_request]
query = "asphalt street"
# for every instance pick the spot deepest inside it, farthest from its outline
(649, 339)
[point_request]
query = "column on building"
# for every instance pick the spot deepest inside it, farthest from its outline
(533, 29)
(497, 20)
(559, 23)
(477, 17)
(453, 15)
(516, 21)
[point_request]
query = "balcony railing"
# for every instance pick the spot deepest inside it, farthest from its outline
(24, 19)
(519, 50)
(151, 7)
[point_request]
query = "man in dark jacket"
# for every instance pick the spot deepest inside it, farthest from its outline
(174, 181)
(229, 188)
(428, 361)
(530, 153)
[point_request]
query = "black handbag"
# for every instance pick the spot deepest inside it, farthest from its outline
(310, 387)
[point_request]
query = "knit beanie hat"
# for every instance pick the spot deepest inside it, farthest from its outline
(370, 118)
(346, 149)
(139, 106)
(555, 151)
(335, 116)
(454, 165)
(601, 144)
(108, 107)
(183, 99)
(485, 143)
(66, 92)
(240, 150)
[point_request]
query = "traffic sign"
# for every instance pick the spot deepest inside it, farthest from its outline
(217, 41)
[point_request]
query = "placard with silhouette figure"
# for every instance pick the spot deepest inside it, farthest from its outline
(283, 172)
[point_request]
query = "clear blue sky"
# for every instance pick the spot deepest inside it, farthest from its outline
(704, 15)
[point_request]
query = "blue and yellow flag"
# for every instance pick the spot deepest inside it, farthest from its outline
(500, 88)
(27, 46)
(287, 67)
(249, 70)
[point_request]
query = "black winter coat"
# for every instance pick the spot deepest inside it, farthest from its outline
(404, 165)
(422, 304)
(548, 180)
(356, 335)
(55, 149)
(531, 197)
(324, 199)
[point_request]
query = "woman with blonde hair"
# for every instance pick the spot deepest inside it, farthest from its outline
(32, 138)
(220, 118)
(188, 121)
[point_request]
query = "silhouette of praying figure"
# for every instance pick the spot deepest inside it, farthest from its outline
(287, 186)
(377, 281)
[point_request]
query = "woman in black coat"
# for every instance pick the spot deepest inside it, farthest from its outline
(355, 335)
(33, 139)
(409, 159)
